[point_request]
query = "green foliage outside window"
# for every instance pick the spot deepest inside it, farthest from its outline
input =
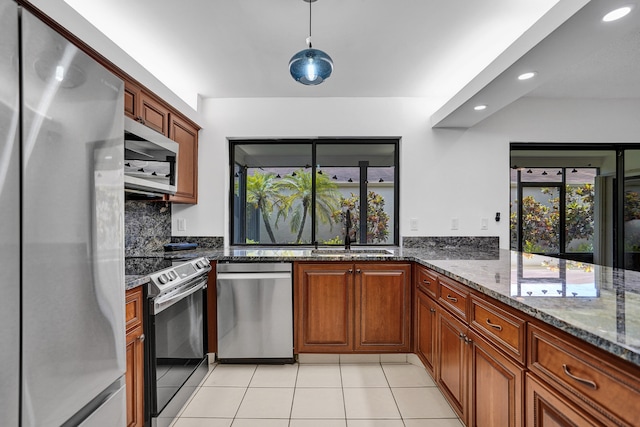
(540, 221)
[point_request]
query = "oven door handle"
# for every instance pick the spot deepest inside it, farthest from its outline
(162, 303)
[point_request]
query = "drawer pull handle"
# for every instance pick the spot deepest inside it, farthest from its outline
(588, 383)
(493, 325)
(426, 282)
(452, 299)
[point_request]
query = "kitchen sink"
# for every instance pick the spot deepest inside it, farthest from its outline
(352, 252)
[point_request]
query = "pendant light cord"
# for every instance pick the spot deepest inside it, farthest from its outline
(310, 24)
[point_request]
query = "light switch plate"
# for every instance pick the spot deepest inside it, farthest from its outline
(454, 223)
(413, 223)
(484, 224)
(182, 224)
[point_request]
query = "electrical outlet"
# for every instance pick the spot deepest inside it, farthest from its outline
(182, 224)
(454, 223)
(484, 224)
(413, 224)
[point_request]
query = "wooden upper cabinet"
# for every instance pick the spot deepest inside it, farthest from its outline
(382, 307)
(186, 135)
(145, 108)
(154, 114)
(131, 101)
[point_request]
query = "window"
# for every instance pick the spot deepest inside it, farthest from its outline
(297, 192)
(577, 201)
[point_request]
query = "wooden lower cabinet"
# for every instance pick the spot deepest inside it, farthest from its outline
(452, 364)
(548, 408)
(346, 307)
(134, 376)
(496, 386)
(323, 307)
(426, 333)
(382, 307)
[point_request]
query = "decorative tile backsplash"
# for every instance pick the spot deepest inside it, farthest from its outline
(445, 242)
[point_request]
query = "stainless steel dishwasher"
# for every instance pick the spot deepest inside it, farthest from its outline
(255, 313)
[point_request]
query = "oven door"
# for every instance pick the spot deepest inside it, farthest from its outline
(177, 343)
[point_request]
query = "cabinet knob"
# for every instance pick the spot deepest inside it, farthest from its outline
(433, 310)
(141, 338)
(358, 271)
(350, 271)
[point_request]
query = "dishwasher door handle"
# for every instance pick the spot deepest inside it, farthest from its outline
(252, 276)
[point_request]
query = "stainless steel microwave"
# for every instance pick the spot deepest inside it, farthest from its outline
(150, 161)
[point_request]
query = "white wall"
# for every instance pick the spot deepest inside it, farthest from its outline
(444, 173)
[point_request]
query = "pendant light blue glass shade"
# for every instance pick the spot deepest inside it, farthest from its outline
(311, 66)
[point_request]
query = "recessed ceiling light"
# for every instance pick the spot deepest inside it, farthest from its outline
(527, 76)
(614, 15)
(480, 107)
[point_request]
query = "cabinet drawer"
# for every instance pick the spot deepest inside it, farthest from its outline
(133, 308)
(453, 297)
(502, 328)
(427, 281)
(599, 385)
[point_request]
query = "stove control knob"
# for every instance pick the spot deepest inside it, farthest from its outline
(173, 275)
(199, 265)
(163, 278)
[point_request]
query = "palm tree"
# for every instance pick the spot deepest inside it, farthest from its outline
(263, 193)
(299, 189)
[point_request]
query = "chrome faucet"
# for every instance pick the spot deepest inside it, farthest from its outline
(347, 233)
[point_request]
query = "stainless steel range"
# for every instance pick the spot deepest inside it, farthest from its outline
(177, 345)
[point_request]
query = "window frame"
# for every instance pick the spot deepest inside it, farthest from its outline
(313, 143)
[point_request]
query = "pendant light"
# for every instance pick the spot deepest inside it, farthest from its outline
(310, 66)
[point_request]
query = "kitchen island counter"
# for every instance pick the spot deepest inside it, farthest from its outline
(597, 304)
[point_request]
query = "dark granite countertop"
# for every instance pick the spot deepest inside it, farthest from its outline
(600, 305)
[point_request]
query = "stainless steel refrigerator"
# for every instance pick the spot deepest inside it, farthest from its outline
(62, 332)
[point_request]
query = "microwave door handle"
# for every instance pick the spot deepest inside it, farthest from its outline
(163, 303)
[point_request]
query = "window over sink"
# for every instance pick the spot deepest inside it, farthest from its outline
(297, 192)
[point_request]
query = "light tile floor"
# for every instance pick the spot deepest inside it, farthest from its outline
(318, 395)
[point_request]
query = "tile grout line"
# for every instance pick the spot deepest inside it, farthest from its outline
(295, 387)
(244, 395)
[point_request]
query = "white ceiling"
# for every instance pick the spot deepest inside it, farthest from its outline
(381, 48)
(450, 50)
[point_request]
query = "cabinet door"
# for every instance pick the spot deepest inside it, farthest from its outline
(382, 307)
(547, 408)
(497, 387)
(135, 377)
(132, 101)
(426, 331)
(324, 307)
(187, 138)
(154, 114)
(452, 362)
